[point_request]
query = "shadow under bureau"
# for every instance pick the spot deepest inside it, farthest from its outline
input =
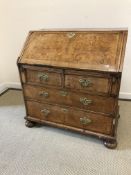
(71, 79)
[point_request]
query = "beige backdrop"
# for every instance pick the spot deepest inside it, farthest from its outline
(17, 17)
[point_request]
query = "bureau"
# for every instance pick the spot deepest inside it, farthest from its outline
(71, 79)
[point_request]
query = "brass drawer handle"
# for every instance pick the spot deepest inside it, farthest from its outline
(63, 93)
(43, 77)
(44, 94)
(85, 121)
(84, 82)
(85, 101)
(45, 112)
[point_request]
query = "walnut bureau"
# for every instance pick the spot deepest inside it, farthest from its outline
(71, 79)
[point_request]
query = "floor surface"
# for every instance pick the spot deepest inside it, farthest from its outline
(44, 150)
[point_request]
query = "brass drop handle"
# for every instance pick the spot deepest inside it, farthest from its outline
(44, 94)
(43, 77)
(84, 82)
(45, 112)
(85, 121)
(85, 101)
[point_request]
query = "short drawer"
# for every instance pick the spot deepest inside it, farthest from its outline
(88, 83)
(68, 98)
(70, 117)
(45, 112)
(44, 76)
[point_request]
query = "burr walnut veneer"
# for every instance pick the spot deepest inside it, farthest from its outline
(71, 80)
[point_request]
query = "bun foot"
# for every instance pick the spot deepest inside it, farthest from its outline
(112, 144)
(29, 124)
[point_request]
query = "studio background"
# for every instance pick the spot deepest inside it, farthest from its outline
(18, 17)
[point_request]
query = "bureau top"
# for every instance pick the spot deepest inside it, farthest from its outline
(101, 50)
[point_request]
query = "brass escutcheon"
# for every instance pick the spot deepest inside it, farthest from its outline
(63, 93)
(71, 34)
(64, 110)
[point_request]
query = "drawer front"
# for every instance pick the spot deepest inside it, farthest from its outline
(45, 112)
(70, 117)
(43, 77)
(88, 83)
(80, 100)
(89, 121)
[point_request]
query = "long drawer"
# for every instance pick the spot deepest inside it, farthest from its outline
(70, 117)
(68, 98)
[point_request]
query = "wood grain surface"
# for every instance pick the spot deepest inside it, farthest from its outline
(71, 79)
(70, 117)
(88, 50)
(99, 104)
